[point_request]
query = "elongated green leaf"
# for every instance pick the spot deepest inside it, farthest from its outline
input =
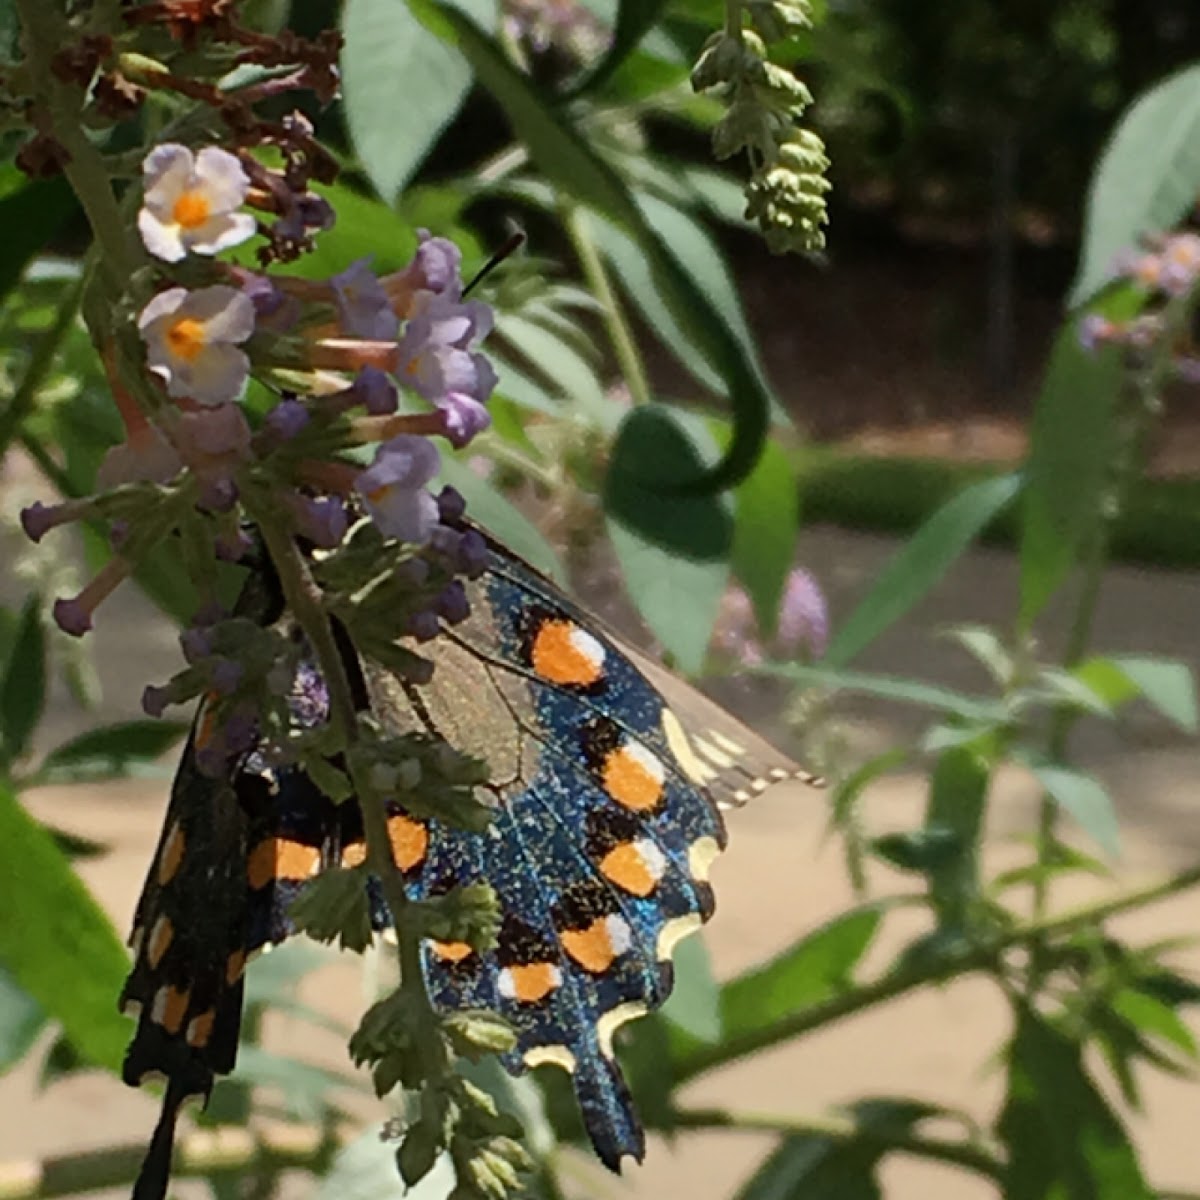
(402, 86)
(497, 514)
(816, 968)
(766, 523)
(634, 19)
(1146, 180)
(889, 687)
(23, 688)
(673, 546)
(110, 751)
(1084, 798)
(1169, 686)
(1151, 1017)
(1064, 1142)
(1066, 471)
(56, 942)
(563, 153)
(21, 1020)
(920, 564)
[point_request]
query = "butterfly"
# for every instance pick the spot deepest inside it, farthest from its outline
(607, 776)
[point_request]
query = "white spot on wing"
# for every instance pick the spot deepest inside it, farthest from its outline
(588, 646)
(702, 853)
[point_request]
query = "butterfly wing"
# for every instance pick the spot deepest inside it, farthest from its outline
(606, 822)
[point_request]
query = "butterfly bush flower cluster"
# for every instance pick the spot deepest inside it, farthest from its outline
(1167, 272)
(329, 359)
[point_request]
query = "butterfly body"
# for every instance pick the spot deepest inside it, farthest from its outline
(605, 821)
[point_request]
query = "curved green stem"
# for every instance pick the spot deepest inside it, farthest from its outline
(846, 1130)
(619, 333)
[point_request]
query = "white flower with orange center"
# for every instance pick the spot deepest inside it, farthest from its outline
(192, 341)
(190, 202)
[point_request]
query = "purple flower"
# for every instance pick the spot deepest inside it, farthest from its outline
(451, 505)
(436, 265)
(452, 605)
(1095, 329)
(364, 306)
(462, 417)
(472, 554)
(287, 419)
(374, 390)
(423, 625)
(803, 616)
(321, 519)
(1180, 261)
(393, 488)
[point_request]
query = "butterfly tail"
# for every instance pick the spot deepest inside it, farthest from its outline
(155, 1175)
(608, 1113)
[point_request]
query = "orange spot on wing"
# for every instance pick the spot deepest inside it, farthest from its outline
(591, 948)
(629, 782)
(626, 866)
(451, 951)
(174, 1006)
(354, 854)
(281, 858)
(200, 1029)
(410, 841)
(557, 657)
(533, 981)
(171, 856)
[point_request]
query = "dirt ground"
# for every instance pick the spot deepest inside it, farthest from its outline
(780, 877)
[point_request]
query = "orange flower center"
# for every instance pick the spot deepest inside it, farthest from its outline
(191, 210)
(186, 338)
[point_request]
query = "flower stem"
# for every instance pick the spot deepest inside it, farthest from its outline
(619, 333)
(846, 1130)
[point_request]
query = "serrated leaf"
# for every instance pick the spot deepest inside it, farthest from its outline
(55, 940)
(1085, 799)
(23, 688)
(1064, 1141)
(920, 564)
(1146, 179)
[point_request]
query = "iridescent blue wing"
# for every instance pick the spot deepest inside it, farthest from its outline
(606, 824)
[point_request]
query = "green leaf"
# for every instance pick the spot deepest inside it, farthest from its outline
(920, 564)
(634, 20)
(1084, 798)
(1064, 1142)
(765, 525)
(694, 1004)
(21, 1020)
(815, 969)
(23, 688)
(402, 86)
(497, 514)
(1168, 685)
(55, 940)
(957, 805)
(1151, 1016)
(813, 1167)
(1066, 472)
(673, 546)
(30, 214)
(110, 752)
(1146, 180)
(889, 687)
(923, 850)
(564, 154)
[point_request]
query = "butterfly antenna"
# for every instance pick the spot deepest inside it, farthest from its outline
(513, 243)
